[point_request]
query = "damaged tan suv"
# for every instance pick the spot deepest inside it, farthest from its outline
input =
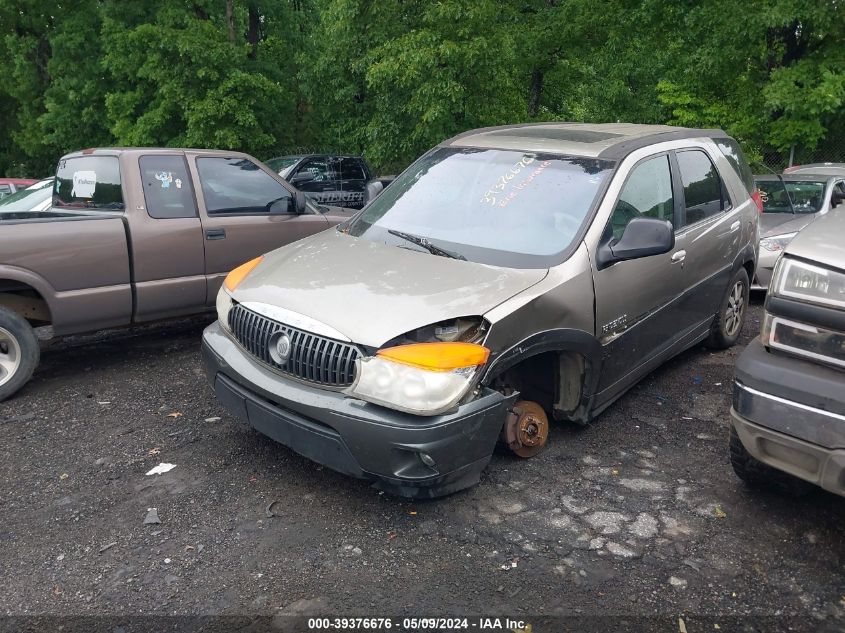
(510, 276)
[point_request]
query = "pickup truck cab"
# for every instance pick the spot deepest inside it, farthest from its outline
(136, 235)
(509, 277)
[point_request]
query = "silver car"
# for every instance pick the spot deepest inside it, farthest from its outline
(791, 202)
(510, 276)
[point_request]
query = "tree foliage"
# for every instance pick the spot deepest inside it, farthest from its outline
(390, 78)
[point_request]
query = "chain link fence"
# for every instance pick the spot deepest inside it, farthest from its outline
(777, 161)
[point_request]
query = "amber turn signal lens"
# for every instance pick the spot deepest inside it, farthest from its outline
(437, 356)
(234, 278)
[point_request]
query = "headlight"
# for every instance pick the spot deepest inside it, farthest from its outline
(421, 378)
(799, 280)
(803, 339)
(224, 304)
(777, 243)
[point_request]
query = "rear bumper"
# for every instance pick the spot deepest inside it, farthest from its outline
(354, 437)
(790, 414)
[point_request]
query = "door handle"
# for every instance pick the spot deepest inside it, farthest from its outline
(678, 256)
(215, 234)
(735, 226)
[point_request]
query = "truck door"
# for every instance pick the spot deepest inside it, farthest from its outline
(353, 182)
(168, 258)
(246, 211)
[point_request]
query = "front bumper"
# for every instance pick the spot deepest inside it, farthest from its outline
(790, 414)
(355, 437)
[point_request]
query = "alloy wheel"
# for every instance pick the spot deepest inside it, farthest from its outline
(10, 355)
(735, 309)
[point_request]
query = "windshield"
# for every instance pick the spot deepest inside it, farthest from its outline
(507, 208)
(29, 198)
(281, 163)
(807, 196)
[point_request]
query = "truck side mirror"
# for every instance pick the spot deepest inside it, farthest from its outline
(836, 198)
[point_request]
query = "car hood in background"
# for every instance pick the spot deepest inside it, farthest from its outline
(822, 241)
(780, 223)
(371, 292)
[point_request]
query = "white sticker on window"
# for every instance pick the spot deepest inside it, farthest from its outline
(84, 183)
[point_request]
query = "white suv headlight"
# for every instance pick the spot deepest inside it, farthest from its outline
(421, 378)
(777, 243)
(799, 280)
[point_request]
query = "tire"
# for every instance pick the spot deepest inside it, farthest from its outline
(19, 352)
(758, 475)
(727, 325)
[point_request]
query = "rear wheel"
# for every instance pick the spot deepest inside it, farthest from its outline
(527, 429)
(19, 352)
(727, 325)
(759, 475)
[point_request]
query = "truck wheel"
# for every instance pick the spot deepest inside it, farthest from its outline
(19, 352)
(756, 474)
(727, 325)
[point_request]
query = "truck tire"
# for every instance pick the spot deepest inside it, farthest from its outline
(756, 474)
(19, 352)
(727, 325)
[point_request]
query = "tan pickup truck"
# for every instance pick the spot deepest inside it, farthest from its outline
(136, 235)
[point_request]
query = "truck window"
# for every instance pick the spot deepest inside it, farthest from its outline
(234, 186)
(168, 191)
(351, 169)
(89, 182)
(647, 193)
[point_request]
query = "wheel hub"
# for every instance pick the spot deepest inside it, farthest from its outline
(527, 429)
(10, 356)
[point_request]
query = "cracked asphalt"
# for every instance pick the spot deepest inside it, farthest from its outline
(637, 514)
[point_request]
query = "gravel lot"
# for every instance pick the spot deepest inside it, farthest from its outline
(637, 514)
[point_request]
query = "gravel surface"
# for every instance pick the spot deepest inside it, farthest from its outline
(637, 514)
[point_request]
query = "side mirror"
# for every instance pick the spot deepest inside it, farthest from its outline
(299, 202)
(643, 237)
(836, 198)
(299, 178)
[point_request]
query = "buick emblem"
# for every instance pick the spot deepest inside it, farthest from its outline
(282, 349)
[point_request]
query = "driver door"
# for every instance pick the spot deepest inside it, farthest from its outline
(245, 211)
(635, 317)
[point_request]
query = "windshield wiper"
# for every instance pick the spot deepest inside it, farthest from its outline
(422, 241)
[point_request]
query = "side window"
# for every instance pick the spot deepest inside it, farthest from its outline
(5, 190)
(647, 193)
(314, 170)
(168, 191)
(351, 169)
(733, 152)
(89, 182)
(703, 193)
(239, 186)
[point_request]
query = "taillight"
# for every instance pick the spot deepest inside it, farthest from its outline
(758, 200)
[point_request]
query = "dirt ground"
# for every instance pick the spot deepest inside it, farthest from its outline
(638, 514)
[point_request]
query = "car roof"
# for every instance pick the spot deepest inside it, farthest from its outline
(117, 151)
(612, 141)
(819, 169)
(17, 181)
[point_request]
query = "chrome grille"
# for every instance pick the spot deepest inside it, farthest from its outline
(312, 357)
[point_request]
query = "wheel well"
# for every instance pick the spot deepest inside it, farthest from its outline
(749, 268)
(26, 301)
(555, 380)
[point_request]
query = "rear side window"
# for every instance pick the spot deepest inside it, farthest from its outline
(167, 187)
(351, 169)
(233, 186)
(702, 187)
(733, 152)
(89, 182)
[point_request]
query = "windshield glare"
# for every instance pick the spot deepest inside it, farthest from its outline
(806, 196)
(507, 208)
(29, 198)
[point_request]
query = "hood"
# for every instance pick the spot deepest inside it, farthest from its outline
(371, 292)
(815, 243)
(779, 223)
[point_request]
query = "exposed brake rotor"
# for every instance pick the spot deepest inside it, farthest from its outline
(526, 429)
